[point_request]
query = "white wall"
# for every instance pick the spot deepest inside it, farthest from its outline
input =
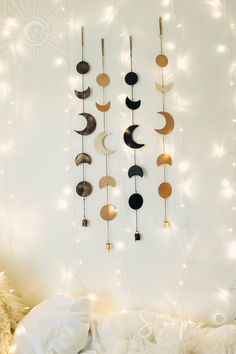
(37, 213)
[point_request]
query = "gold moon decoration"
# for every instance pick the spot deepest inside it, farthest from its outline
(99, 144)
(164, 88)
(83, 94)
(83, 158)
(103, 107)
(165, 190)
(164, 159)
(162, 60)
(108, 212)
(107, 181)
(169, 126)
(103, 80)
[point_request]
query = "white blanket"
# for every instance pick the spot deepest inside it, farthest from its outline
(140, 332)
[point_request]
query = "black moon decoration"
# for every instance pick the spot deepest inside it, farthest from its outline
(132, 104)
(84, 189)
(135, 170)
(83, 67)
(128, 137)
(83, 94)
(131, 78)
(91, 124)
(135, 201)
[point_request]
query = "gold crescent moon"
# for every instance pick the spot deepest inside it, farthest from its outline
(164, 88)
(169, 126)
(164, 159)
(107, 181)
(99, 144)
(165, 190)
(103, 107)
(108, 212)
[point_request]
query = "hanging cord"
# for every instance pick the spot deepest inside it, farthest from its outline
(82, 140)
(163, 109)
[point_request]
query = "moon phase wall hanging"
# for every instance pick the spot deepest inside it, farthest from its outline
(84, 188)
(108, 211)
(135, 171)
(164, 159)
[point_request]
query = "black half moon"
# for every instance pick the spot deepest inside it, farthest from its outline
(131, 78)
(83, 158)
(91, 124)
(135, 170)
(128, 138)
(83, 67)
(132, 104)
(83, 94)
(84, 189)
(135, 201)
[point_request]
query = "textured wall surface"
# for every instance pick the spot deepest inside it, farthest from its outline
(190, 268)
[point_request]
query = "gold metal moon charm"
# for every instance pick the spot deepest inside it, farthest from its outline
(108, 212)
(162, 60)
(169, 126)
(165, 190)
(103, 80)
(164, 88)
(107, 181)
(103, 107)
(164, 159)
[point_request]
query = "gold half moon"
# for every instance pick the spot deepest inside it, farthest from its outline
(169, 126)
(103, 107)
(164, 88)
(108, 212)
(162, 60)
(99, 144)
(164, 159)
(107, 181)
(165, 190)
(103, 80)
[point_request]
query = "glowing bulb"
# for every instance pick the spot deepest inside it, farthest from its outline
(58, 61)
(117, 284)
(67, 190)
(167, 16)
(74, 224)
(184, 166)
(183, 63)
(109, 14)
(184, 266)
(233, 164)
(221, 48)
(181, 205)
(231, 83)
(230, 229)
(218, 151)
(231, 250)
(170, 45)
(118, 271)
(217, 14)
(181, 282)
(92, 297)
(12, 349)
(80, 262)
(223, 294)
(181, 130)
(120, 245)
(165, 2)
(233, 208)
(20, 330)
(179, 25)
(11, 291)
(63, 204)
(232, 25)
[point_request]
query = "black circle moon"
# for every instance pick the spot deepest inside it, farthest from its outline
(131, 78)
(84, 189)
(135, 201)
(83, 67)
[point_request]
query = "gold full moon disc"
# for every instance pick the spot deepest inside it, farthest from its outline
(108, 212)
(165, 190)
(162, 60)
(103, 80)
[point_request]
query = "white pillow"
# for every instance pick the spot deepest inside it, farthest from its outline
(58, 325)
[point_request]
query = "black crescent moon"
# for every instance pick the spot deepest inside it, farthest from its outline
(132, 104)
(135, 170)
(128, 138)
(91, 124)
(83, 94)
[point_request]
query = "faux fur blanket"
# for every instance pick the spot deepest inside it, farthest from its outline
(12, 311)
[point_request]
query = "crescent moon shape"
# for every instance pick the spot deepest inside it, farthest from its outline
(164, 88)
(91, 124)
(103, 107)
(99, 144)
(83, 94)
(169, 126)
(107, 181)
(132, 104)
(165, 190)
(128, 138)
(164, 159)
(135, 170)
(83, 158)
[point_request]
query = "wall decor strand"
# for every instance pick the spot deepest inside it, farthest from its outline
(135, 200)
(84, 188)
(108, 212)
(165, 188)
